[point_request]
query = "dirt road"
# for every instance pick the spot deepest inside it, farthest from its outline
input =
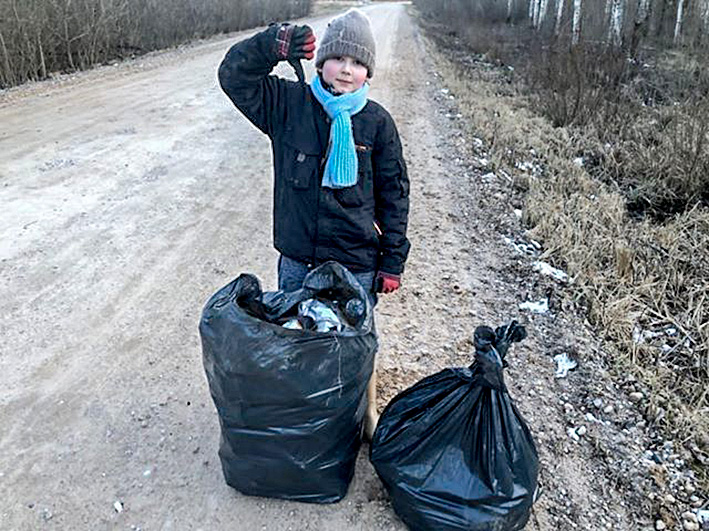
(129, 195)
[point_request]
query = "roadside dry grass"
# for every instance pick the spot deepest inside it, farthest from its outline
(642, 281)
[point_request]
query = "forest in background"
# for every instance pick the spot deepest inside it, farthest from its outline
(627, 23)
(40, 37)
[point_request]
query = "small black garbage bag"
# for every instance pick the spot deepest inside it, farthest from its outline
(290, 402)
(454, 452)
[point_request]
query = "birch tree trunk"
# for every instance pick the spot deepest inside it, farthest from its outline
(576, 23)
(42, 63)
(509, 11)
(543, 5)
(559, 14)
(659, 19)
(616, 27)
(678, 23)
(607, 12)
(9, 75)
(640, 26)
(535, 14)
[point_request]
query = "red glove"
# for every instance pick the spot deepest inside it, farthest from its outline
(387, 282)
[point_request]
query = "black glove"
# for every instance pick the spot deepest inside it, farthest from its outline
(294, 43)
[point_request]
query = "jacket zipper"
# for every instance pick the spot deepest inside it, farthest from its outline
(317, 212)
(321, 168)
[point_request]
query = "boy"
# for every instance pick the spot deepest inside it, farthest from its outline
(341, 187)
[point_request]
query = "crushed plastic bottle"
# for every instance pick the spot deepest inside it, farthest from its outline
(325, 318)
(292, 324)
(354, 311)
(300, 322)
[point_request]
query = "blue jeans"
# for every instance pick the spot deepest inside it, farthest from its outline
(291, 274)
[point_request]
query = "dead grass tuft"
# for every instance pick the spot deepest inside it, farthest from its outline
(643, 283)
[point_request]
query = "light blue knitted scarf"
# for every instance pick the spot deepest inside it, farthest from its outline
(341, 166)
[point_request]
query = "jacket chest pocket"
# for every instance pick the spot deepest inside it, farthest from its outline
(300, 165)
(363, 191)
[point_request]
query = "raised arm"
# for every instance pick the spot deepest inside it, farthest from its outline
(244, 73)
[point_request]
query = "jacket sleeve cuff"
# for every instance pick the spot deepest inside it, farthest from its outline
(391, 267)
(269, 44)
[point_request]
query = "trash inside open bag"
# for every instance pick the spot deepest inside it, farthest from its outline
(290, 401)
(454, 452)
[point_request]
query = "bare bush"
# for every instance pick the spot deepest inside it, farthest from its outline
(576, 85)
(38, 37)
(649, 123)
(661, 163)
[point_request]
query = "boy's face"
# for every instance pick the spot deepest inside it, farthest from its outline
(345, 74)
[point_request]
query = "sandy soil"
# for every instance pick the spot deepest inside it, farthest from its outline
(132, 192)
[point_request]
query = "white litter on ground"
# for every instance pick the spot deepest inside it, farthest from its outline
(531, 248)
(549, 270)
(564, 364)
(572, 433)
(641, 336)
(529, 167)
(541, 306)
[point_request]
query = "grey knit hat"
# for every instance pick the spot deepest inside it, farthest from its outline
(349, 34)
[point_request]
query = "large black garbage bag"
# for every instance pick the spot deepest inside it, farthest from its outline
(290, 402)
(454, 452)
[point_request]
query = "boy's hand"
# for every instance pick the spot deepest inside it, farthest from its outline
(295, 42)
(387, 282)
